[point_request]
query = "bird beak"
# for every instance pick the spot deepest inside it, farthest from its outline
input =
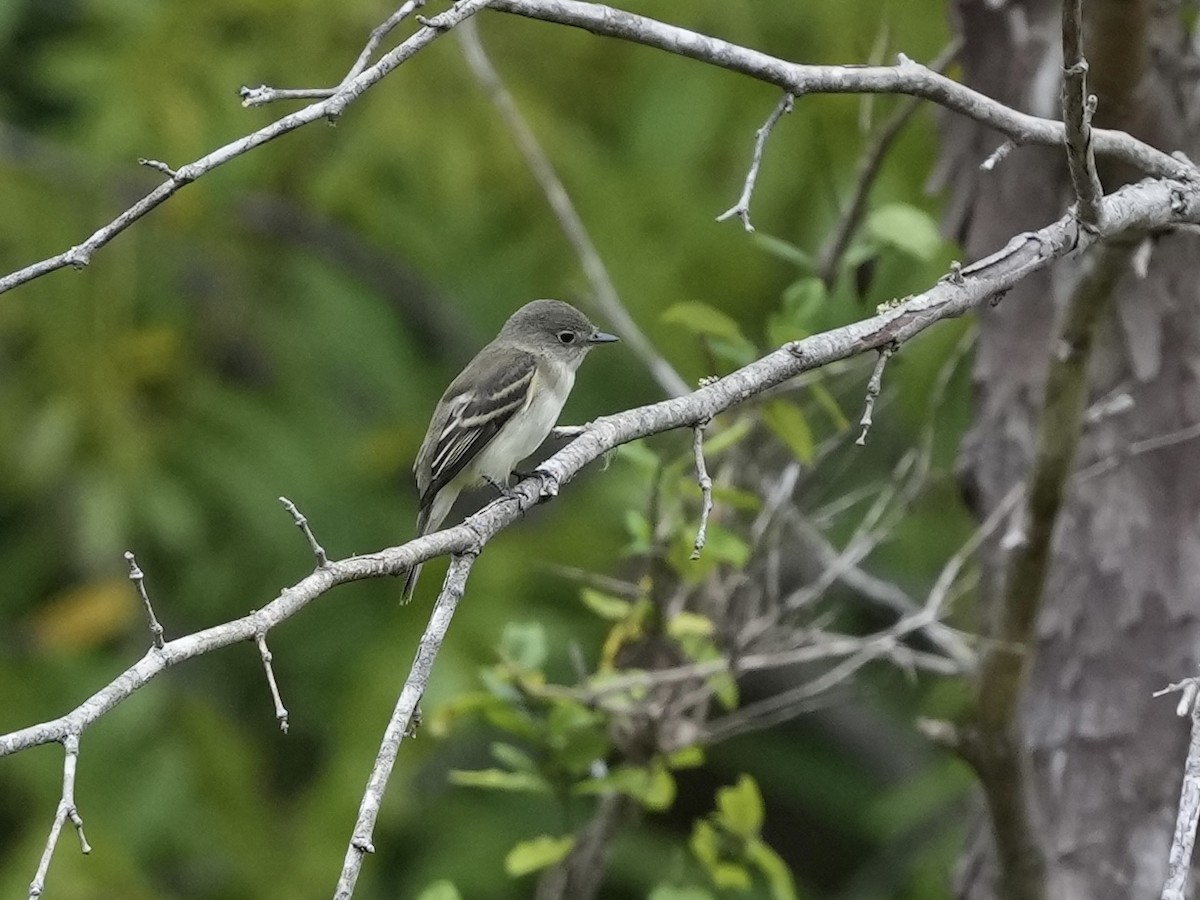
(600, 337)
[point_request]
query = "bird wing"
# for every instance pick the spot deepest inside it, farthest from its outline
(473, 410)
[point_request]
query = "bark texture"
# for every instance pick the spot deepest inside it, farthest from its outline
(1121, 610)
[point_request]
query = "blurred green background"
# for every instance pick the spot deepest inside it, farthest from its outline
(284, 327)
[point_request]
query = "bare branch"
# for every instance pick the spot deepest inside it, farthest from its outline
(874, 386)
(800, 80)
(330, 108)
(158, 166)
(66, 810)
(792, 78)
(706, 485)
(306, 530)
(741, 209)
(603, 290)
(281, 713)
(1179, 861)
(869, 165)
(262, 95)
(1137, 448)
(398, 726)
(997, 156)
(1148, 204)
(1078, 107)
(139, 582)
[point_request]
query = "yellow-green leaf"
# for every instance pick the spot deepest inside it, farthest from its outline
(700, 318)
(606, 606)
(791, 427)
(740, 807)
(537, 853)
(908, 229)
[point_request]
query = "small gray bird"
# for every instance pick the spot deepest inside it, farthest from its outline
(500, 408)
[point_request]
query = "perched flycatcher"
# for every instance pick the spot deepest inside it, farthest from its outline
(501, 407)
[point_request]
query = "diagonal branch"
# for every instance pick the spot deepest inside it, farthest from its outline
(331, 108)
(741, 209)
(1147, 204)
(400, 723)
(907, 78)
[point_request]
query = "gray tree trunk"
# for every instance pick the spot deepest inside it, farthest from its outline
(1121, 612)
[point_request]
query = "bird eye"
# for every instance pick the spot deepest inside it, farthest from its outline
(566, 337)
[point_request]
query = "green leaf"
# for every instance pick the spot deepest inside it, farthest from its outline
(513, 757)
(700, 318)
(524, 643)
(906, 228)
(652, 786)
(640, 455)
(791, 427)
(781, 249)
(733, 497)
(725, 689)
(730, 875)
(440, 890)
(705, 844)
(804, 299)
(771, 864)
(606, 606)
(639, 531)
(690, 624)
(537, 853)
(687, 758)
(828, 403)
(718, 441)
(740, 808)
(500, 780)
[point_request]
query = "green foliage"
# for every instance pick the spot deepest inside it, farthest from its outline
(266, 333)
(729, 845)
(538, 853)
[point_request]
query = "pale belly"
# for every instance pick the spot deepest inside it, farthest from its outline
(511, 445)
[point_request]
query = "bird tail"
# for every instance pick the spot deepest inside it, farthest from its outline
(410, 580)
(428, 519)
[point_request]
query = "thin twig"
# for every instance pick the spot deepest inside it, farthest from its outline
(874, 386)
(1179, 861)
(281, 713)
(801, 80)
(158, 166)
(1137, 448)
(328, 109)
(139, 581)
(706, 486)
(66, 810)
(399, 724)
(936, 601)
(542, 169)
(263, 94)
(997, 156)
(741, 209)
(306, 530)
(869, 165)
(1077, 107)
